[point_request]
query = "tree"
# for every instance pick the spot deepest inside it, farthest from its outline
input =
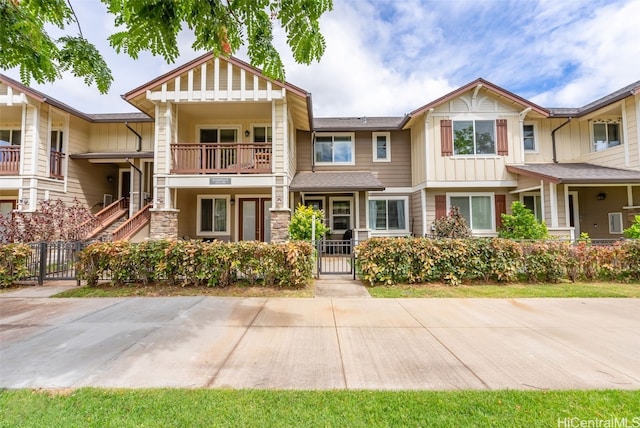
(633, 232)
(522, 224)
(452, 225)
(221, 26)
(300, 227)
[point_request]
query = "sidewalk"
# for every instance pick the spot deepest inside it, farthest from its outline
(319, 343)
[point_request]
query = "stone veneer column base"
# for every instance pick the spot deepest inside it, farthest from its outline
(164, 224)
(280, 219)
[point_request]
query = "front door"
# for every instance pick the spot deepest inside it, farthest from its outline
(255, 219)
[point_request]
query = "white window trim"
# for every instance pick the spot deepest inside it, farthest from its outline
(400, 232)
(474, 119)
(535, 195)
(13, 128)
(329, 211)
(219, 126)
(374, 146)
(535, 138)
(592, 135)
(610, 217)
(259, 125)
(352, 135)
(199, 231)
(469, 194)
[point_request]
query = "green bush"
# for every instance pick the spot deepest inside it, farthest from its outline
(13, 263)
(633, 232)
(522, 224)
(215, 264)
(301, 225)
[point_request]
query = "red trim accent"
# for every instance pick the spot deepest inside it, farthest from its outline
(503, 140)
(441, 206)
(446, 137)
(501, 208)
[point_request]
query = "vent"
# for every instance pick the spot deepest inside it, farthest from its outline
(107, 199)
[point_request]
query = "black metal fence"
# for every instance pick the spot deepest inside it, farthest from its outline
(53, 260)
(336, 257)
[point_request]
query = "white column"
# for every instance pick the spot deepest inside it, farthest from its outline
(553, 204)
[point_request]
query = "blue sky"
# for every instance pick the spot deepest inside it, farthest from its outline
(387, 58)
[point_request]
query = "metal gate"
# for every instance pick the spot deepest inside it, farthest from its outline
(53, 260)
(336, 257)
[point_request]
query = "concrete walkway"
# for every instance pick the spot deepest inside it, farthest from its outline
(319, 343)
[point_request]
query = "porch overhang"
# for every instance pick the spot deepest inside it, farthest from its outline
(111, 157)
(330, 181)
(576, 173)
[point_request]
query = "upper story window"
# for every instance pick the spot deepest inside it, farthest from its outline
(605, 135)
(57, 139)
(218, 135)
(529, 137)
(10, 137)
(381, 146)
(335, 149)
(474, 137)
(262, 134)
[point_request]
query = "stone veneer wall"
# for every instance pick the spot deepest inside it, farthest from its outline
(280, 219)
(164, 224)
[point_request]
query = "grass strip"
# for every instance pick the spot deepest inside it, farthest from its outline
(89, 407)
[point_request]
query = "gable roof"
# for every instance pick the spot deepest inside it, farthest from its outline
(482, 83)
(629, 90)
(95, 118)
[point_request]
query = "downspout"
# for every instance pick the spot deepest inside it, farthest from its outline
(313, 151)
(137, 135)
(553, 139)
(139, 182)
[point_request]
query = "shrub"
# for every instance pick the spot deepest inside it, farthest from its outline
(452, 225)
(301, 225)
(13, 263)
(522, 224)
(633, 232)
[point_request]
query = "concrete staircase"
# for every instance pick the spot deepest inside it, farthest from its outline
(343, 286)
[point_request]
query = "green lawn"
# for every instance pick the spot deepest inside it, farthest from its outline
(604, 289)
(260, 408)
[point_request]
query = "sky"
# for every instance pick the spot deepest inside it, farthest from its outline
(390, 57)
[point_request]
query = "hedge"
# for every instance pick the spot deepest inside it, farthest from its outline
(214, 264)
(453, 261)
(13, 263)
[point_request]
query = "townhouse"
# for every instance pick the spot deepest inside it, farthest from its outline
(218, 151)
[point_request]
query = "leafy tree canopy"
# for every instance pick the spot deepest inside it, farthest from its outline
(221, 26)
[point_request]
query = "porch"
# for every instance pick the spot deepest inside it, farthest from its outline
(221, 158)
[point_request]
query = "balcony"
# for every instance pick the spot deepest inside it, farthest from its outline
(9, 160)
(221, 158)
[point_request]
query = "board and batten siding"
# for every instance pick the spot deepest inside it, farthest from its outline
(115, 137)
(418, 153)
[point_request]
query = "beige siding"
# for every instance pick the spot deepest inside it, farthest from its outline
(633, 131)
(415, 217)
(418, 153)
(291, 141)
(278, 137)
(115, 137)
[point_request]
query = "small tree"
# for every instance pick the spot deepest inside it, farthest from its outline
(522, 224)
(300, 227)
(633, 232)
(453, 225)
(52, 221)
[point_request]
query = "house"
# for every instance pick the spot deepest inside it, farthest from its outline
(219, 151)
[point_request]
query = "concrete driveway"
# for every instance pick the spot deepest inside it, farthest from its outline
(321, 343)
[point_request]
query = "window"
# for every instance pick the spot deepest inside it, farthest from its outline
(388, 214)
(381, 146)
(335, 149)
(56, 140)
(534, 204)
(477, 209)
(56, 157)
(605, 135)
(262, 134)
(340, 215)
(474, 137)
(218, 135)
(213, 215)
(529, 137)
(10, 137)
(615, 223)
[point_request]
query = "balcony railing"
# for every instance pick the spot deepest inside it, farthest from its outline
(55, 164)
(9, 160)
(221, 158)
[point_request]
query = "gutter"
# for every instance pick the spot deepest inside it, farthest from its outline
(553, 139)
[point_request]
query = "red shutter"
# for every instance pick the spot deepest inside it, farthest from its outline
(503, 141)
(441, 206)
(501, 208)
(446, 138)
